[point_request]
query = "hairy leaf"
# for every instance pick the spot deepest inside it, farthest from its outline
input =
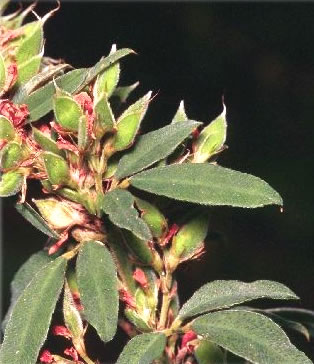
(207, 184)
(23, 276)
(29, 322)
(250, 335)
(11, 183)
(154, 146)
(143, 349)
(40, 102)
(118, 204)
(98, 287)
(46, 143)
(180, 115)
(7, 131)
(35, 219)
(123, 92)
(72, 317)
(222, 294)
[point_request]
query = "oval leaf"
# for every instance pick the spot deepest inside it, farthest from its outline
(11, 183)
(250, 335)
(29, 322)
(118, 204)
(57, 168)
(35, 219)
(10, 155)
(207, 184)
(222, 294)
(7, 131)
(143, 349)
(67, 112)
(23, 276)
(98, 287)
(154, 146)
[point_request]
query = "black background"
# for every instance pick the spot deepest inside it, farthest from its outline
(261, 57)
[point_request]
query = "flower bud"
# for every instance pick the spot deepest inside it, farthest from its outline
(67, 112)
(7, 131)
(153, 218)
(211, 139)
(11, 183)
(11, 155)
(57, 168)
(60, 214)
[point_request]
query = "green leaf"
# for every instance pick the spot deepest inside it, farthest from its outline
(123, 92)
(107, 81)
(72, 317)
(143, 349)
(29, 322)
(118, 204)
(28, 69)
(129, 123)
(67, 112)
(35, 219)
(222, 294)
(23, 276)
(211, 139)
(103, 64)
(98, 287)
(208, 353)
(7, 131)
(11, 183)
(36, 81)
(57, 168)
(250, 335)
(40, 102)
(10, 155)
(2, 73)
(207, 184)
(46, 143)
(180, 115)
(154, 146)
(32, 42)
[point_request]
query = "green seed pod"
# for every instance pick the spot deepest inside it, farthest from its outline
(208, 353)
(7, 131)
(153, 217)
(11, 155)
(11, 183)
(211, 139)
(143, 251)
(189, 240)
(105, 120)
(46, 143)
(137, 320)
(67, 112)
(57, 168)
(129, 123)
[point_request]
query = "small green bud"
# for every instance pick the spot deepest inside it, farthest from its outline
(189, 240)
(208, 353)
(11, 155)
(129, 123)
(67, 112)
(143, 251)
(59, 214)
(46, 143)
(57, 168)
(109, 78)
(180, 115)
(11, 183)
(153, 218)
(7, 131)
(211, 139)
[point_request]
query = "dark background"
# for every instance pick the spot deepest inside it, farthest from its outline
(261, 57)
